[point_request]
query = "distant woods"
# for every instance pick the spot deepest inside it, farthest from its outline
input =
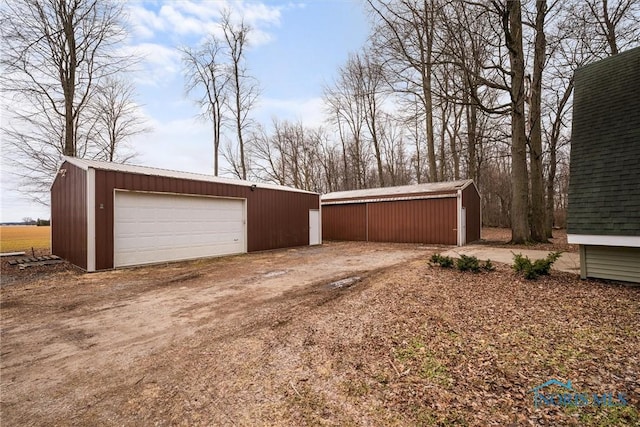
(442, 90)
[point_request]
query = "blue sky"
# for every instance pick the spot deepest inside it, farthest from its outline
(297, 47)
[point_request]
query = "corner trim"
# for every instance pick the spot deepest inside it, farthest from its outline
(601, 240)
(91, 220)
(459, 218)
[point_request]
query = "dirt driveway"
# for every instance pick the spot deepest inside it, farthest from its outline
(69, 339)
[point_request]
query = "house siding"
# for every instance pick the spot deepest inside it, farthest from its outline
(604, 188)
(69, 215)
(613, 263)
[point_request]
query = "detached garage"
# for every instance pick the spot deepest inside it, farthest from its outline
(106, 215)
(439, 213)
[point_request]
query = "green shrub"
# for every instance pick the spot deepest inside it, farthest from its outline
(468, 263)
(488, 265)
(539, 267)
(442, 261)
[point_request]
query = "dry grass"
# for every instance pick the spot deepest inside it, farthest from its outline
(24, 237)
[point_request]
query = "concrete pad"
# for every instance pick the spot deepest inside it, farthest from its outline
(568, 262)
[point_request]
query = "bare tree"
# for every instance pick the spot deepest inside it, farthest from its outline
(394, 151)
(538, 211)
(117, 120)
(370, 77)
(54, 55)
(346, 110)
(511, 15)
(207, 71)
(290, 155)
(616, 24)
(406, 35)
(244, 88)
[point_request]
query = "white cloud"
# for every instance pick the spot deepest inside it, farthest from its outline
(309, 111)
(258, 14)
(203, 9)
(180, 144)
(199, 17)
(180, 23)
(155, 31)
(144, 22)
(158, 62)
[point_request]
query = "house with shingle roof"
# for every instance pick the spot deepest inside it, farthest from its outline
(604, 189)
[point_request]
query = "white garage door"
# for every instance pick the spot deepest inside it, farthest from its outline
(152, 227)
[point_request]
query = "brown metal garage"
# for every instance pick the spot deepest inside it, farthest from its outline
(106, 215)
(439, 213)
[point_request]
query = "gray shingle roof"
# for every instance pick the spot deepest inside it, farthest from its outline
(604, 188)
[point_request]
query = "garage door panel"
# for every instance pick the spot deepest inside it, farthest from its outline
(157, 227)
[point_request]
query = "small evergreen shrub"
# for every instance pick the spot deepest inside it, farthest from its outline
(442, 261)
(468, 263)
(488, 266)
(532, 270)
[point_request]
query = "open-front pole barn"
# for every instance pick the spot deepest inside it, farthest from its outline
(438, 213)
(106, 215)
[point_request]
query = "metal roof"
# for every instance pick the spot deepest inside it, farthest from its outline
(417, 189)
(145, 170)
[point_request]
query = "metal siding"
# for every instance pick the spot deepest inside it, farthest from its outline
(611, 262)
(69, 215)
(405, 221)
(413, 221)
(275, 219)
(344, 222)
(471, 203)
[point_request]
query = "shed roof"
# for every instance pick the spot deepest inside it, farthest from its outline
(145, 170)
(604, 185)
(417, 189)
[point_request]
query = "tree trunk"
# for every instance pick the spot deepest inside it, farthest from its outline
(553, 150)
(238, 94)
(428, 105)
(68, 77)
(535, 137)
(453, 142)
(216, 146)
(550, 200)
(512, 24)
(426, 69)
(376, 147)
(611, 29)
(472, 123)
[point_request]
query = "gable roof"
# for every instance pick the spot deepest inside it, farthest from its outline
(145, 170)
(403, 190)
(604, 186)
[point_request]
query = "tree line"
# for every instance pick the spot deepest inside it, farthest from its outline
(442, 90)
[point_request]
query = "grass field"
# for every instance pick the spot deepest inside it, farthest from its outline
(24, 237)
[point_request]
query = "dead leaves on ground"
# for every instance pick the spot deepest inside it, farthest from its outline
(436, 347)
